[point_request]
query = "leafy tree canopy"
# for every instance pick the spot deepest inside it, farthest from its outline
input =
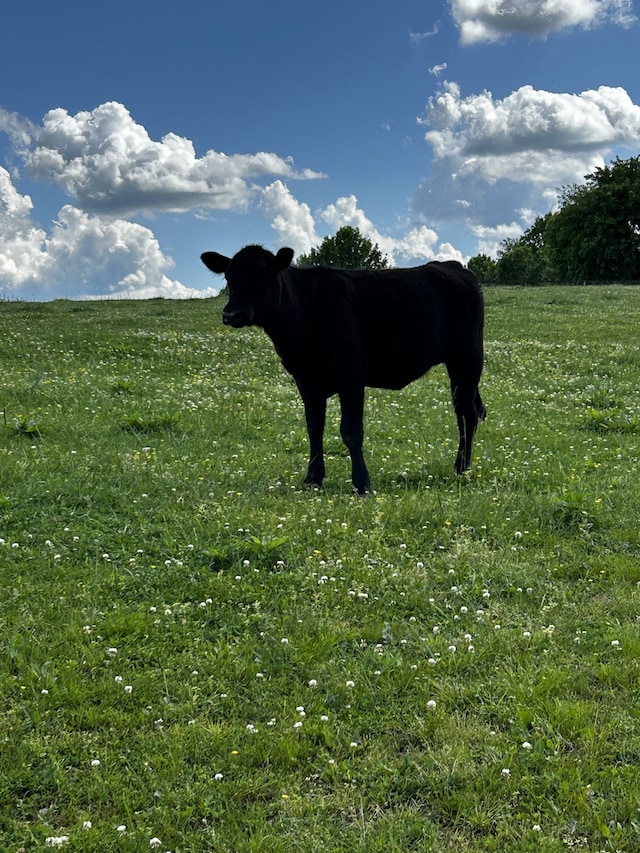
(347, 249)
(594, 236)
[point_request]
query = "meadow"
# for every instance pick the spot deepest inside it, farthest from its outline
(199, 654)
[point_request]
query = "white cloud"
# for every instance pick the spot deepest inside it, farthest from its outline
(108, 164)
(530, 120)
(418, 37)
(491, 20)
(490, 239)
(83, 256)
(417, 245)
(494, 157)
(438, 70)
(296, 227)
(291, 219)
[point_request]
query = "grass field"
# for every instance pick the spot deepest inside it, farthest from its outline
(197, 654)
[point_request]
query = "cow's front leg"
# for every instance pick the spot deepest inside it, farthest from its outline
(352, 432)
(315, 410)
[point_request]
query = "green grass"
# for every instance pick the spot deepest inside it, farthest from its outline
(450, 664)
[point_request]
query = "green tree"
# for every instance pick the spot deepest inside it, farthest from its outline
(347, 249)
(485, 268)
(595, 236)
(525, 260)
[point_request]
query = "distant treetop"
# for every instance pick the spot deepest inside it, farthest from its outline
(347, 249)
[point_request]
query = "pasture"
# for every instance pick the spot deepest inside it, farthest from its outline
(198, 654)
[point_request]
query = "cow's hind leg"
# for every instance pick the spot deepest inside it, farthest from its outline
(315, 409)
(352, 432)
(469, 409)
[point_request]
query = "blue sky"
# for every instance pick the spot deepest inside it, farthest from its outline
(134, 136)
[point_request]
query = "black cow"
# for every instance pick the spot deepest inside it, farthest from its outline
(338, 331)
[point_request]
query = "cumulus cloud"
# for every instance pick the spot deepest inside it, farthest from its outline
(490, 238)
(296, 227)
(83, 256)
(290, 218)
(418, 244)
(492, 20)
(108, 164)
(529, 120)
(112, 170)
(517, 150)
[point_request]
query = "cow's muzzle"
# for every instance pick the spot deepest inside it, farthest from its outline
(234, 318)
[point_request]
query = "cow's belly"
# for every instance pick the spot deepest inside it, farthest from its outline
(395, 378)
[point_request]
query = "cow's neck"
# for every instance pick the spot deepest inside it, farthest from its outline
(283, 322)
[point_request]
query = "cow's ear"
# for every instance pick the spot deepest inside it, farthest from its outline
(283, 259)
(214, 261)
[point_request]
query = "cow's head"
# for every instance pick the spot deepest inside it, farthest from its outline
(251, 277)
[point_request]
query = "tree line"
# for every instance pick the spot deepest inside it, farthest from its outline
(594, 236)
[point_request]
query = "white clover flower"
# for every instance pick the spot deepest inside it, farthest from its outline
(431, 704)
(154, 842)
(112, 652)
(121, 828)
(313, 683)
(324, 718)
(218, 777)
(297, 724)
(95, 762)
(87, 824)
(284, 641)
(350, 684)
(56, 840)
(128, 688)
(526, 745)
(506, 772)
(118, 679)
